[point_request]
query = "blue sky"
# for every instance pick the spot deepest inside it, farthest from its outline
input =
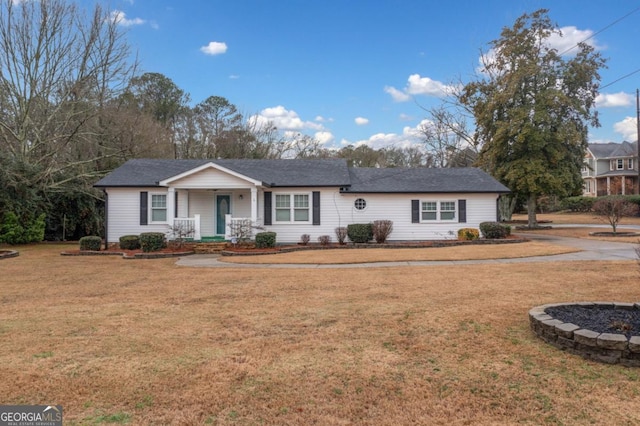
(356, 71)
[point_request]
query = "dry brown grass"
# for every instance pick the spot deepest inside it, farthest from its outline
(149, 342)
(346, 256)
(578, 218)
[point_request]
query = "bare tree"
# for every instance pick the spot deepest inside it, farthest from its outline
(613, 208)
(58, 69)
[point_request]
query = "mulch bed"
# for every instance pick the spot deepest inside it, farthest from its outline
(133, 254)
(599, 319)
(249, 251)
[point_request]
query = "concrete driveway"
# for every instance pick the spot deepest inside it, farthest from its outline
(589, 250)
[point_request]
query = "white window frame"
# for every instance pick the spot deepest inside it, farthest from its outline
(292, 207)
(619, 164)
(439, 210)
(152, 208)
(630, 163)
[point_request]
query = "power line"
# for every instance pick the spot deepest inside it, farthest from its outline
(618, 79)
(600, 31)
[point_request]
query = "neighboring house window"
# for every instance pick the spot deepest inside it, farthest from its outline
(360, 204)
(158, 208)
(438, 210)
(620, 164)
(292, 207)
(587, 186)
(630, 163)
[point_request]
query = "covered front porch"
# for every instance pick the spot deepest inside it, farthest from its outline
(213, 215)
(210, 201)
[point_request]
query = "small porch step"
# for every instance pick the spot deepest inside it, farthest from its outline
(209, 247)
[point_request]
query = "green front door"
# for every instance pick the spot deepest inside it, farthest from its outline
(222, 208)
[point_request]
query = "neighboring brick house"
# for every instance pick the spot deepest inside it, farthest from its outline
(610, 168)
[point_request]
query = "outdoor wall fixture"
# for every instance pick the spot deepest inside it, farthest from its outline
(241, 196)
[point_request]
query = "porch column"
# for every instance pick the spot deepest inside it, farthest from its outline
(171, 206)
(254, 205)
(608, 185)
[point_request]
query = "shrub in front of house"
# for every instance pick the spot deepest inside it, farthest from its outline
(578, 204)
(381, 230)
(304, 239)
(324, 240)
(494, 230)
(265, 239)
(90, 242)
(129, 242)
(341, 234)
(468, 234)
(360, 232)
(152, 241)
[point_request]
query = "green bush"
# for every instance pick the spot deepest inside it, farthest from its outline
(16, 230)
(130, 242)
(265, 239)
(360, 232)
(152, 241)
(494, 230)
(468, 234)
(90, 242)
(578, 204)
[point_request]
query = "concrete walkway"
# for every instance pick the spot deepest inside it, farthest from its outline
(589, 250)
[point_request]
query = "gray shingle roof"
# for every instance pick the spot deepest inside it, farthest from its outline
(423, 180)
(313, 173)
(613, 150)
(148, 172)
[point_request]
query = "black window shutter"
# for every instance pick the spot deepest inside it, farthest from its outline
(175, 210)
(462, 211)
(316, 207)
(267, 208)
(415, 211)
(144, 216)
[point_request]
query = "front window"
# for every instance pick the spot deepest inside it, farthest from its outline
(438, 210)
(292, 208)
(620, 164)
(158, 208)
(429, 210)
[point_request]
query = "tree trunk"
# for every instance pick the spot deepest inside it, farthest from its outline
(531, 211)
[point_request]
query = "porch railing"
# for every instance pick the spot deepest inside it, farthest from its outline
(238, 227)
(187, 227)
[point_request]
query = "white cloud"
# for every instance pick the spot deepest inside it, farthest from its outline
(324, 137)
(214, 48)
(234, 77)
(410, 136)
(361, 121)
(284, 119)
(417, 85)
(120, 18)
(627, 128)
(397, 95)
(605, 100)
(569, 37)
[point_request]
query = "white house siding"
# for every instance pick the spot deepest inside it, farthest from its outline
(338, 210)
(124, 213)
(211, 178)
(202, 203)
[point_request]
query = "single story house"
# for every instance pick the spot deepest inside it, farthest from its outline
(294, 197)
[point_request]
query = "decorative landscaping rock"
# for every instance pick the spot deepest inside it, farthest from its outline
(615, 338)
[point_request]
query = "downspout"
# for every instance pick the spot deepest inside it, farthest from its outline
(106, 219)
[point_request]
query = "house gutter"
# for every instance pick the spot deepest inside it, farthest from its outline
(106, 218)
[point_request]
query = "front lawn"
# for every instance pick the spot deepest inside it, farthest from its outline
(148, 342)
